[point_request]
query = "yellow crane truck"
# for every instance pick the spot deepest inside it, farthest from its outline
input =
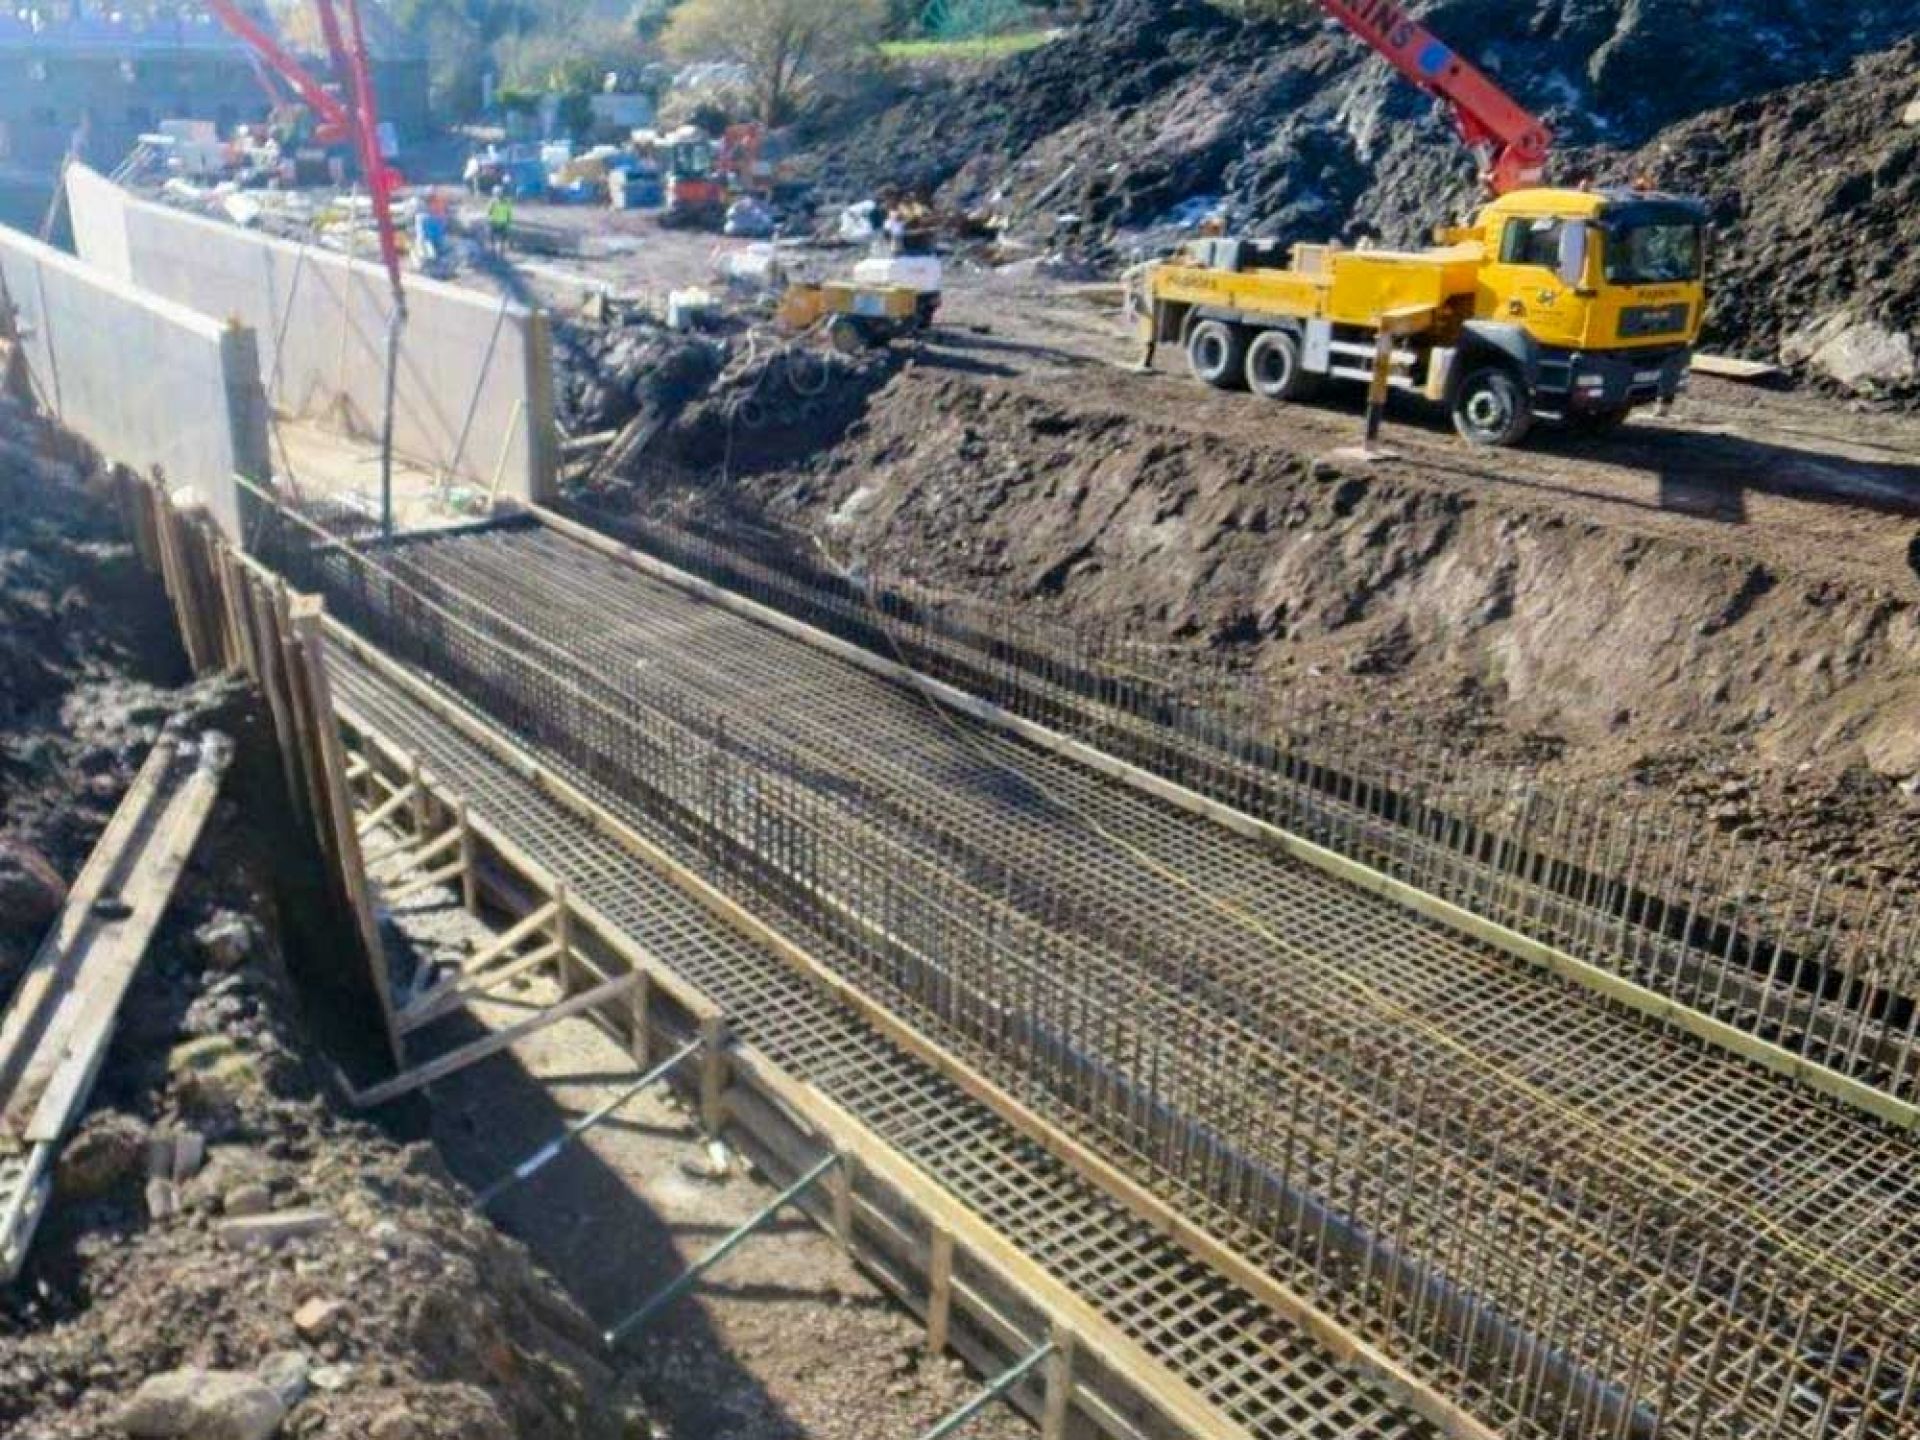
(1567, 305)
(1564, 305)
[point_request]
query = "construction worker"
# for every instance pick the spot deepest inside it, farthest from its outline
(500, 219)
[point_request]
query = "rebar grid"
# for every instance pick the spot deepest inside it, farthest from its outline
(1829, 970)
(1188, 1063)
(1257, 1368)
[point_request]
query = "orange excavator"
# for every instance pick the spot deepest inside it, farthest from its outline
(704, 176)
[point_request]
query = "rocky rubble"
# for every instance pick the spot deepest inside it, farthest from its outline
(228, 1259)
(607, 374)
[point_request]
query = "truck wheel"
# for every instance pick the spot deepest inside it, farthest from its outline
(1490, 407)
(1274, 367)
(1216, 351)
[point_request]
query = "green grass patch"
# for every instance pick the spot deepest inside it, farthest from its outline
(981, 47)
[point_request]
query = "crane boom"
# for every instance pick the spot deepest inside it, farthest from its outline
(357, 119)
(1511, 142)
(336, 122)
(332, 123)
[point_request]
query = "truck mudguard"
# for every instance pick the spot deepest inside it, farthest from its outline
(1503, 339)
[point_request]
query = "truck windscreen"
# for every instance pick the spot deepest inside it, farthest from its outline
(1653, 253)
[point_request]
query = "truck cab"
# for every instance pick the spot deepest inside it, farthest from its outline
(1592, 299)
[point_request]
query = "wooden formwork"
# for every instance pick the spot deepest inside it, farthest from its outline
(232, 614)
(976, 1293)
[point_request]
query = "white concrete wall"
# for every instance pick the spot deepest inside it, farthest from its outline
(474, 396)
(150, 384)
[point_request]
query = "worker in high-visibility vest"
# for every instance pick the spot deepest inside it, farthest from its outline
(500, 219)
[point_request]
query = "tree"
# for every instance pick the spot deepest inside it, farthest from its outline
(781, 44)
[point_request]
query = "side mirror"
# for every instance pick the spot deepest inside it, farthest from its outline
(1571, 266)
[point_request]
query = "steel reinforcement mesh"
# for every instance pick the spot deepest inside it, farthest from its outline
(1255, 1367)
(1828, 969)
(1575, 1219)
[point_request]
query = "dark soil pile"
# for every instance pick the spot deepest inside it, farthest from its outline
(605, 375)
(1815, 193)
(407, 1316)
(772, 402)
(1303, 129)
(89, 670)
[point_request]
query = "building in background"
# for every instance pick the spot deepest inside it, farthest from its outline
(76, 77)
(92, 81)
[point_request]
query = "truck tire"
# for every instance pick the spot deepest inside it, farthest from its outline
(1217, 352)
(1490, 406)
(1274, 366)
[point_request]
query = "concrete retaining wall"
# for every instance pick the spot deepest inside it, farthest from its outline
(474, 398)
(147, 382)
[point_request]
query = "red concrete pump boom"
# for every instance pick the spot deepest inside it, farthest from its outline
(1512, 144)
(358, 120)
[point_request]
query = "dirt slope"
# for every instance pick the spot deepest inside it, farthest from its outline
(1600, 640)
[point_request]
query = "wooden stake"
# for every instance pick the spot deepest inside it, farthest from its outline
(1059, 1401)
(939, 1290)
(469, 874)
(842, 1190)
(640, 1017)
(338, 807)
(713, 1073)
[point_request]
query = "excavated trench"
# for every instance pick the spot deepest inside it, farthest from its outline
(1772, 688)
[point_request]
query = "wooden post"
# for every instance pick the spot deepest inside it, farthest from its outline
(564, 965)
(469, 875)
(842, 1183)
(422, 802)
(173, 572)
(713, 1072)
(233, 582)
(640, 1014)
(270, 675)
(1059, 1401)
(300, 715)
(939, 1290)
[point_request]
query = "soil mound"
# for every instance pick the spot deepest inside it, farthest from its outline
(369, 1299)
(1146, 105)
(1814, 192)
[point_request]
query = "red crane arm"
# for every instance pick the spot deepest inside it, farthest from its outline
(336, 122)
(330, 116)
(351, 57)
(1512, 143)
